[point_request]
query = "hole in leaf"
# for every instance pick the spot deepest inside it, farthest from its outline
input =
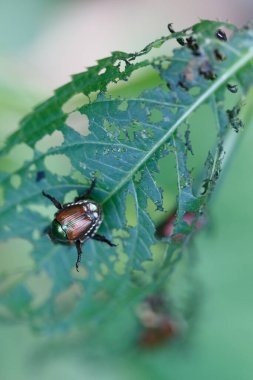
(81, 275)
(131, 216)
(15, 159)
(78, 176)
(76, 101)
(137, 176)
(44, 210)
(102, 71)
(120, 233)
(206, 133)
(133, 129)
(79, 122)
(104, 269)
(121, 64)
(40, 285)
(156, 116)
(69, 196)
(16, 255)
(15, 181)
(136, 83)
(120, 264)
(58, 164)
(194, 91)
(155, 214)
(49, 141)
(67, 299)
(36, 235)
(166, 178)
(123, 106)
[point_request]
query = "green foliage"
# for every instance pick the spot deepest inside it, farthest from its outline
(123, 140)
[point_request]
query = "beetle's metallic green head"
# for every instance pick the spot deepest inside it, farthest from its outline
(57, 233)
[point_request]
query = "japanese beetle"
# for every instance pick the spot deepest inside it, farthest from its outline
(77, 222)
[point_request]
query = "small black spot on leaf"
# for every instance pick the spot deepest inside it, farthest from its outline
(40, 175)
(188, 141)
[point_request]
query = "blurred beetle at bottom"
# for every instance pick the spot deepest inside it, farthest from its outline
(77, 221)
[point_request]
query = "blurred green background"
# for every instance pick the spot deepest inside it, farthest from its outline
(42, 43)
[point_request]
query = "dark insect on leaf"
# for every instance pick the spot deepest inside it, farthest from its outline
(232, 88)
(234, 112)
(205, 186)
(213, 167)
(40, 175)
(248, 26)
(221, 35)
(183, 85)
(206, 70)
(180, 40)
(156, 303)
(218, 55)
(234, 120)
(127, 62)
(168, 85)
(192, 45)
(237, 124)
(170, 28)
(187, 140)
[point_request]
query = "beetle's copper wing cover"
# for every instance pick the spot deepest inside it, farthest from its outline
(75, 222)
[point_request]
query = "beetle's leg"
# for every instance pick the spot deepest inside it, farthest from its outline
(79, 253)
(53, 200)
(88, 192)
(103, 239)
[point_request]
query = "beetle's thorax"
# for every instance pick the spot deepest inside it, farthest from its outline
(88, 206)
